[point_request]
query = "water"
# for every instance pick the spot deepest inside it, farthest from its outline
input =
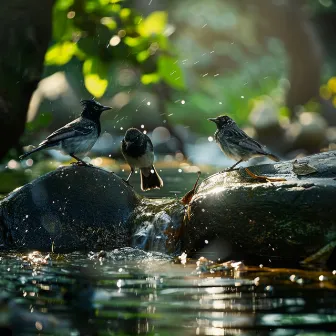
(131, 292)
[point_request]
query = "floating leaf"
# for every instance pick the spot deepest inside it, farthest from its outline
(150, 78)
(60, 53)
(155, 23)
(170, 72)
(95, 79)
(303, 168)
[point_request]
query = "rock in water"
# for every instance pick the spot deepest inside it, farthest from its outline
(233, 215)
(72, 208)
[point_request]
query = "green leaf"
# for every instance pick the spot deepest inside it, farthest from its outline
(109, 23)
(62, 26)
(133, 41)
(155, 23)
(95, 76)
(63, 4)
(42, 120)
(170, 72)
(142, 56)
(60, 53)
(95, 85)
(125, 13)
(150, 78)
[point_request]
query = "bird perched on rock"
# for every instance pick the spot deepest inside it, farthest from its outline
(79, 136)
(235, 143)
(137, 149)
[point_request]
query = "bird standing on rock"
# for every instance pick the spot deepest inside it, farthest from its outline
(137, 149)
(236, 144)
(79, 136)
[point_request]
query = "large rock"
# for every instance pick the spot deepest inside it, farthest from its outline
(233, 214)
(230, 216)
(71, 208)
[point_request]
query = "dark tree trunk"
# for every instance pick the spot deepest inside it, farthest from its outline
(25, 32)
(288, 22)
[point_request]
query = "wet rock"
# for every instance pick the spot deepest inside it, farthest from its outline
(288, 213)
(233, 214)
(71, 208)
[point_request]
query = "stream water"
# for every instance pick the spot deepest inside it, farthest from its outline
(131, 292)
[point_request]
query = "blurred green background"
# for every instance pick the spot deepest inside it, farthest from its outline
(165, 66)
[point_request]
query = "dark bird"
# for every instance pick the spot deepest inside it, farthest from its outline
(77, 137)
(137, 149)
(235, 143)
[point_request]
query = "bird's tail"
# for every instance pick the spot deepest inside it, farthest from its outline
(273, 157)
(40, 147)
(150, 179)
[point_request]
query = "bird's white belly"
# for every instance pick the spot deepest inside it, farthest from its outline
(143, 161)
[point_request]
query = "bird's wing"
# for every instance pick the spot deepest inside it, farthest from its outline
(75, 128)
(149, 142)
(240, 138)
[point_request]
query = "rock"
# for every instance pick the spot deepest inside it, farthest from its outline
(235, 215)
(231, 215)
(71, 208)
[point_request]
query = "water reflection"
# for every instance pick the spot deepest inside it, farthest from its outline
(128, 291)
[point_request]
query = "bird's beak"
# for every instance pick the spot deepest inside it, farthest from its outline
(105, 108)
(212, 119)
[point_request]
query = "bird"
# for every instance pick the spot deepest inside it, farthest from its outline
(235, 143)
(78, 136)
(137, 149)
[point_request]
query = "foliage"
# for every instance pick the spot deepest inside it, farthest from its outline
(99, 32)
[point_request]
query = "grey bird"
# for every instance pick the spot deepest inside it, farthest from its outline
(77, 137)
(236, 144)
(137, 149)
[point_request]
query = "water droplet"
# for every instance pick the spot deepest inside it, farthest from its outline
(115, 40)
(322, 278)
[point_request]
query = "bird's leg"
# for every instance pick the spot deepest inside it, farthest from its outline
(231, 168)
(129, 176)
(79, 161)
